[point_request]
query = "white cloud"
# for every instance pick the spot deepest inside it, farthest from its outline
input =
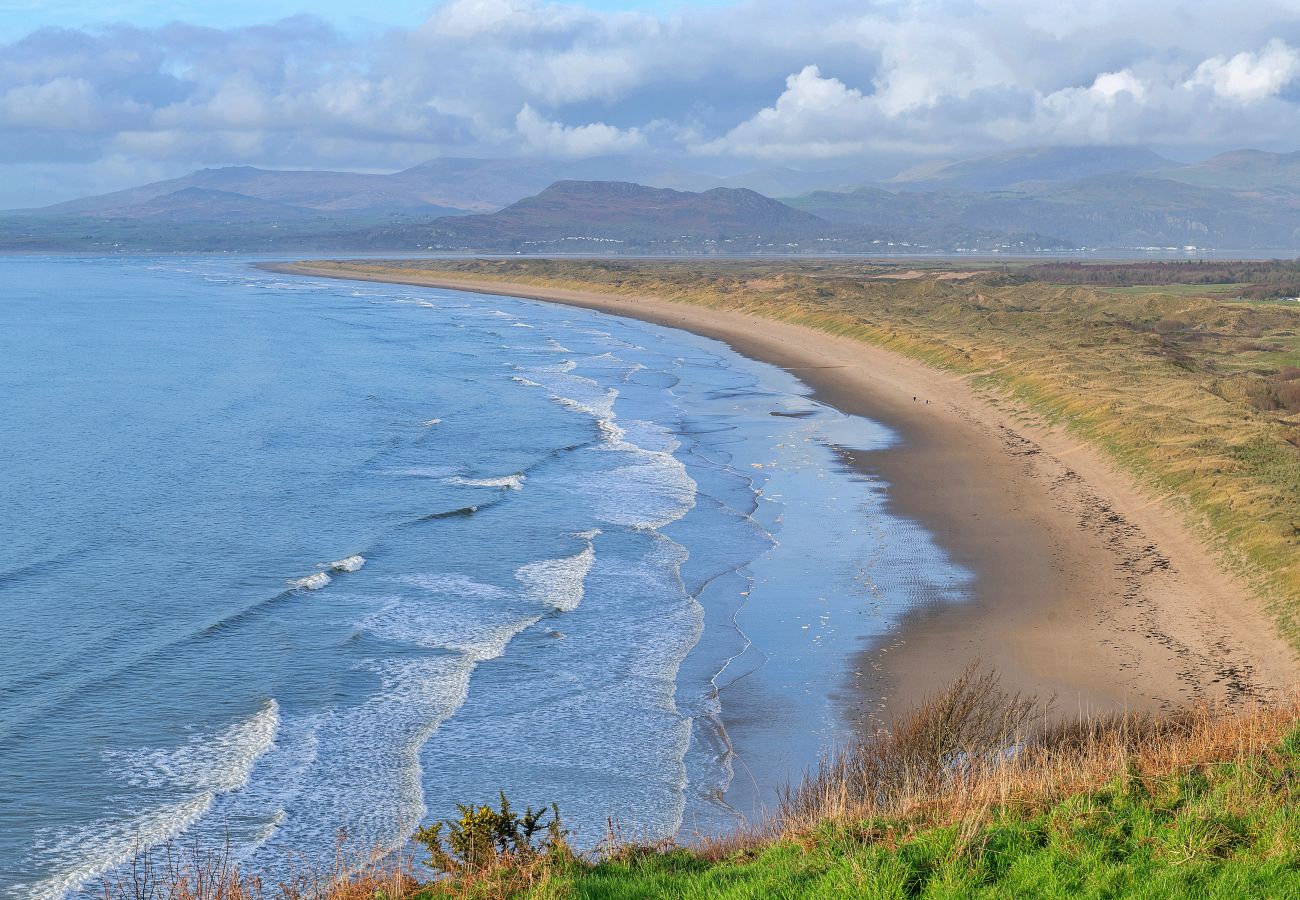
(61, 104)
(1250, 77)
(542, 136)
(814, 116)
(1109, 86)
(820, 80)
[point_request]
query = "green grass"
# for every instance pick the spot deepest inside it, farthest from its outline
(1222, 831)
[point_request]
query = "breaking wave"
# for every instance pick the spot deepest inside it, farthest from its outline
(202, 769)
(348, 563)
(514, 482)
(560, 583)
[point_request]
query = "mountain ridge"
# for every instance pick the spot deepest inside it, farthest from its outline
(1026, 200)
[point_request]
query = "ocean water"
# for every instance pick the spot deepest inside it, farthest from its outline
(288, 556)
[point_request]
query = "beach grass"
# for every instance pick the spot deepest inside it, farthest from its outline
(1195, 392)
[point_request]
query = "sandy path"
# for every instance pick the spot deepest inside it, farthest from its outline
(1085, 586)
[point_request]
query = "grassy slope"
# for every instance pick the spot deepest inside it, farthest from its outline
(1182, 836)
(1169, 385)
(1225, 825)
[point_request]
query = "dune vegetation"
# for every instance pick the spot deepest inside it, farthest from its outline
(1193, 386)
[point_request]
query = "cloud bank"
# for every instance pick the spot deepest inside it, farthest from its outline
(817, 83)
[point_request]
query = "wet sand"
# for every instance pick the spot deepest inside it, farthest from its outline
(1086, 588)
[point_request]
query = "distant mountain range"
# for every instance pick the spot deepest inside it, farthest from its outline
(1243, 170)
(446, 186)
(1054, 197)
(577, 215)
(1106, 211)
(1019, 168)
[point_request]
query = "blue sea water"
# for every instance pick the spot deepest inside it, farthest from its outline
(285, 556)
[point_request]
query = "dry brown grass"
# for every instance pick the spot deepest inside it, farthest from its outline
(975, 748)
(175, 872)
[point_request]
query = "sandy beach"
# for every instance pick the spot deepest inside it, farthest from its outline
(1086, 587)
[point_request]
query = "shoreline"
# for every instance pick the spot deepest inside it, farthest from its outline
(1085, 587)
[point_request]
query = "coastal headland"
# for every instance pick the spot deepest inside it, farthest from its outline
(1088, 585)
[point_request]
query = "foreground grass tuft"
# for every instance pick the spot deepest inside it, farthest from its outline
(1168, 836)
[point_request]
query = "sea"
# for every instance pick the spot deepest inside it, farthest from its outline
(293, 565)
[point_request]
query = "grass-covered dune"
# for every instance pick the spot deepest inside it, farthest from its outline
(1194, 389)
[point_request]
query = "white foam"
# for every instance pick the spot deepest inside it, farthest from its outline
(656, 488)
(427, 422)
(452, 583)
(599, 408)
(647, 495)
(526, 382)
(369, 755)
(514, 482)
(112, 843)
(219, 762)
(650, 436)
(311, 582)
(348, 563)
(470, 616)
(578, 393)
(383, 774)
(560, 582)
(203, 769)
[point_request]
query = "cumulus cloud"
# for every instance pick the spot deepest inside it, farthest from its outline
(60, 104)
(926, 100)
(760, 79)
(1250, 77)
(814, 117)
(548, 138)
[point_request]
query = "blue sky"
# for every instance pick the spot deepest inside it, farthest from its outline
(17, 17)
(129, 91)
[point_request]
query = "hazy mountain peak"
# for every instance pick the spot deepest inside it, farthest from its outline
(999, 171)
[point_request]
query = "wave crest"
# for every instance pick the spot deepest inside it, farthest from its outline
(514, 481)
(205, 768)
(560, 582)
(348, 563)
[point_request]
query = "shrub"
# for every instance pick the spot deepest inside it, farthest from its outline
(485, 838)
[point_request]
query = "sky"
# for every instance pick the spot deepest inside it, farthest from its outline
(97, 96)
